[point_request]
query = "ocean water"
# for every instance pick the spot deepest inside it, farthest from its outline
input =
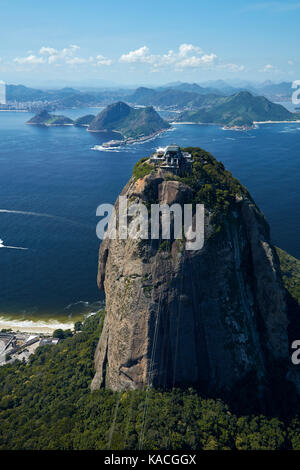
(53, 179)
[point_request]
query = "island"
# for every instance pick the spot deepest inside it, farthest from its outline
(84, 121)
(129, 124)
(133, 124)
(46, 119)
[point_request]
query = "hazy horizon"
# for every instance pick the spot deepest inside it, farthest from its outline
(193, 42)
(99, 84)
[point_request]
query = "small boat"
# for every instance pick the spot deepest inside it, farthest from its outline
(113, 143)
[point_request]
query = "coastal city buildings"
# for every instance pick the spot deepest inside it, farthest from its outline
(19, 346)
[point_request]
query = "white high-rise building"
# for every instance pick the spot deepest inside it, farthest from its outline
(2, 92)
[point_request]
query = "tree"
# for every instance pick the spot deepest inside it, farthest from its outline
(59, 333)
(78, 326)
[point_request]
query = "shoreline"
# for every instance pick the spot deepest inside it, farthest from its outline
(146, 138)
(129, 140)
(30, 326)
(233, 128)
(15, 110)
(49, 125)
(276, 122)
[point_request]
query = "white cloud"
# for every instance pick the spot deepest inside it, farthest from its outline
(185, 49)
(78, 60)
(101, 60)
(290, 62)
(31, 59)
(195, 61)
(48, 51)
(59, 57)
(188, 55)
(232, 67)
(138, 55)
(268, 68)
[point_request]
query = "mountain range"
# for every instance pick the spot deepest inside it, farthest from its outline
(171, 98)
(134, 123)
(70, 96)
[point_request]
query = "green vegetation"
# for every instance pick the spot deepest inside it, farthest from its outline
(47, 404)
(141, 169)
(165, 246)
(41, 401)
(213, 185)
(175, 97)
(130, 122)
(62, 334)
(78, 326)
(84, 120)
(45, 119)
(290, 268)
(58, 121)
(240, 109)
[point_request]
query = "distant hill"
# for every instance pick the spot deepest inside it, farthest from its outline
(130, 122)
(219, 85)
(193, 88)
(84, 120)
(62, 98)
(240, 109)
(276, 91)
(171, 97)
(273, 91)
(22, 93)
(45, 119)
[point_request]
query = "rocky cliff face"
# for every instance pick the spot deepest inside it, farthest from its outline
(214, 318)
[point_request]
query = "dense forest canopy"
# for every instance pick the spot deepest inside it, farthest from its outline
(47, 404)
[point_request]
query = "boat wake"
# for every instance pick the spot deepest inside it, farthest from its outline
(40, 214)
(107, 149)
(11, 247)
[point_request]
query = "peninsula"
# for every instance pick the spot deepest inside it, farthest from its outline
(131, 123)
(241, 110)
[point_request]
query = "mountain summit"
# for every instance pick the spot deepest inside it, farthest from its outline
(128, 121)
(240, 109)
(216, 318)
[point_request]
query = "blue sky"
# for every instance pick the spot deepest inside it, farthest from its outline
(155, 42)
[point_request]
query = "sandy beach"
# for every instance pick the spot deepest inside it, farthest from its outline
(276, 122)
(14, 110)
(28, 326)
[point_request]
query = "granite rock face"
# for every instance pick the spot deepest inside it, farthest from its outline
(212, 318)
